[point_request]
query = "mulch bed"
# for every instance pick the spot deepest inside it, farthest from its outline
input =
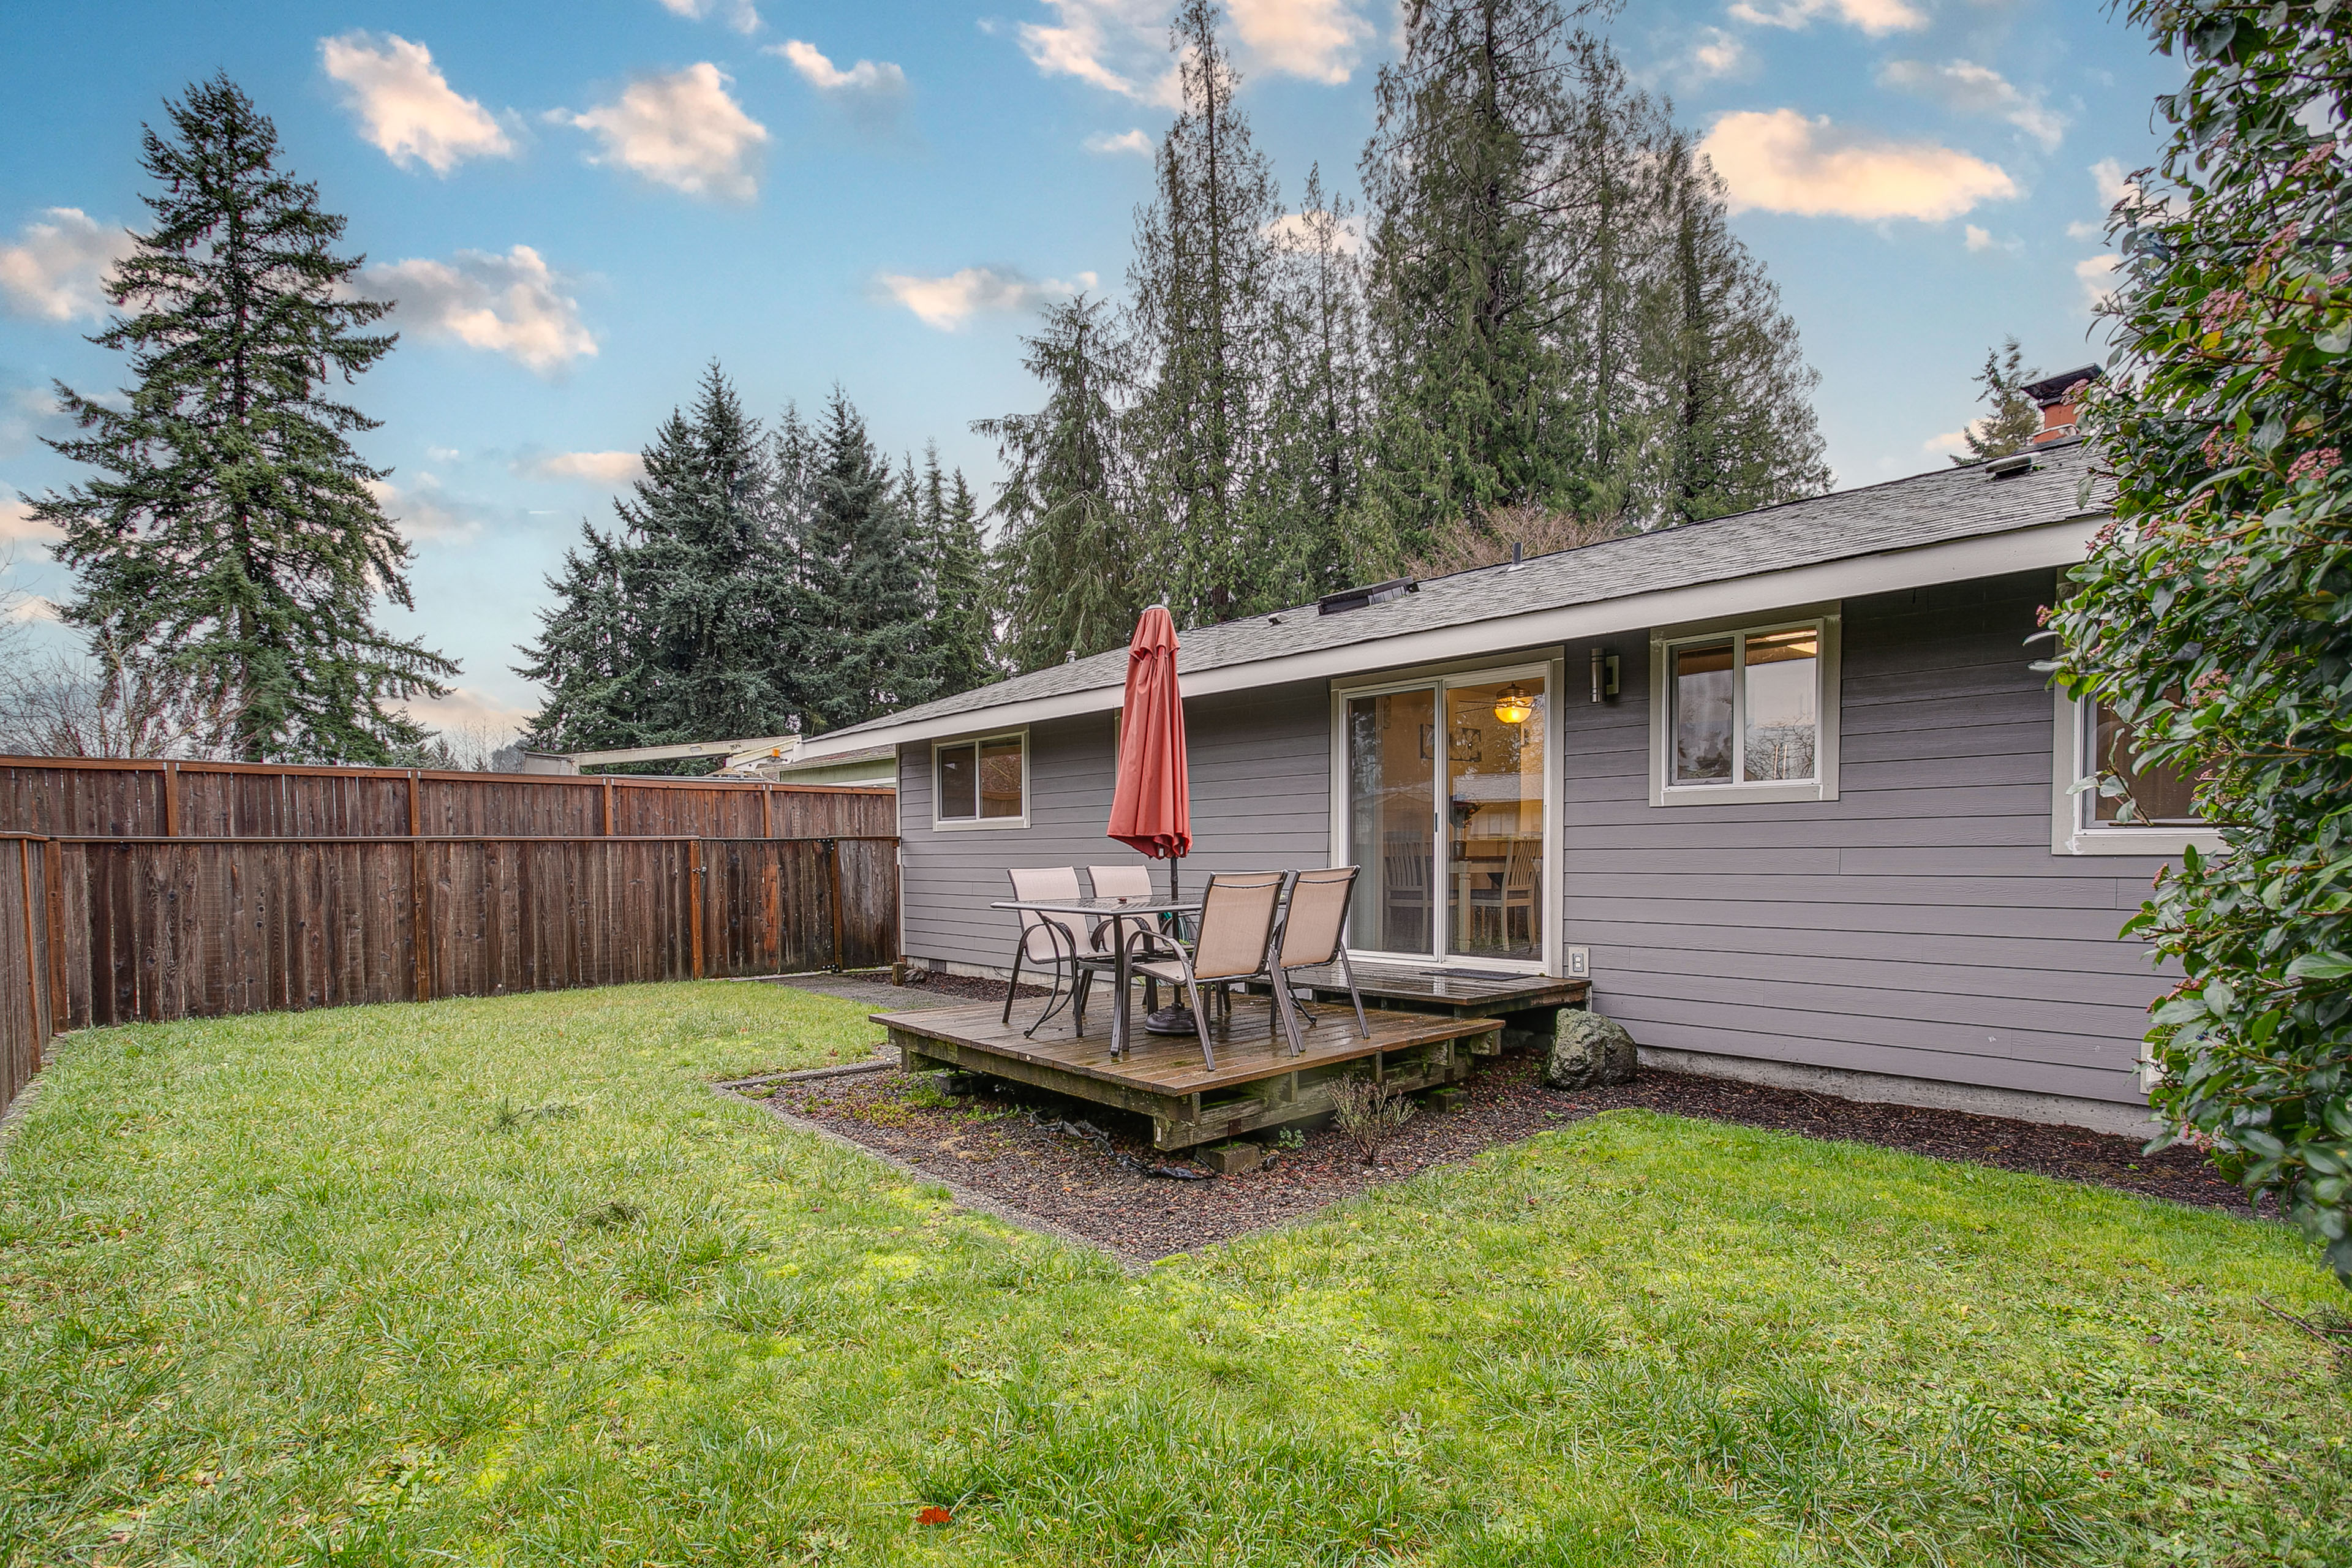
(1004, 1145)
(970, 987)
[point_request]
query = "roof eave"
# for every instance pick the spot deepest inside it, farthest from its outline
(2042, 545)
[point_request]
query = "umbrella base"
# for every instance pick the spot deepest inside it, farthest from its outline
(1171, 1021)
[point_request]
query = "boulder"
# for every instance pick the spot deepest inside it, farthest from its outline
(1587, 1049)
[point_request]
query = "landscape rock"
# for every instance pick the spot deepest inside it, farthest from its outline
(1587, 1049)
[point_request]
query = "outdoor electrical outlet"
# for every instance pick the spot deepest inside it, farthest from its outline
(1580, 964)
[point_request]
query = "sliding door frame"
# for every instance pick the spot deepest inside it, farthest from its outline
(1547, 667)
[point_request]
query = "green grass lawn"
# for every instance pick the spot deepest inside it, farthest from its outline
(502, 1281)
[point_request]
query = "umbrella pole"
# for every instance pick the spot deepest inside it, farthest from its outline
(1176, 1018)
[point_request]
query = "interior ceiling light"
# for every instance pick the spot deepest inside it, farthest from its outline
(1513, 705)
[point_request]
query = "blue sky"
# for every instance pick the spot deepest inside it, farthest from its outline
(579, 205)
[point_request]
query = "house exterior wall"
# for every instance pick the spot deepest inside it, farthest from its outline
(1260, 801)
(1918, 925)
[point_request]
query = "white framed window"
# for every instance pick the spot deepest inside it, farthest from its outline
(1745, 709)
(981, 780)
(2155, 815)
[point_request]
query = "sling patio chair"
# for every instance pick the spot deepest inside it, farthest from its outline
(1235, 942)
(1314, 934)
(1057, 942)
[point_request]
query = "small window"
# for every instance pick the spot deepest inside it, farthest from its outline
(2156, 812)
(982, 782)
(2153, 795)
(1741, 714)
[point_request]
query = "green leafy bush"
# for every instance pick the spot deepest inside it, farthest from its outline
(2213, 613)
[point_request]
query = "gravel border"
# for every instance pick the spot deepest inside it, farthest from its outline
(1004, 1147)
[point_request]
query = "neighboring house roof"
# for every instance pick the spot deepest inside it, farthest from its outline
(1945, 526)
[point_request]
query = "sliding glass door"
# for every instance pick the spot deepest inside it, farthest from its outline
(1445, 784)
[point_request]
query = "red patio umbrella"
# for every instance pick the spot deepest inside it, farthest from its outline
(1151, 808)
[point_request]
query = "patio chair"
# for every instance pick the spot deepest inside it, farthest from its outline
(1233, 942)
(1405, 893)
(1054, 941)
(1127, 882)
(1314, 934)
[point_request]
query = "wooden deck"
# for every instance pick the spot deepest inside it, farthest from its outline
(1256, 1083)
(1459, 990)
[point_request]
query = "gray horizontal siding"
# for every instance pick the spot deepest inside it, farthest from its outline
(1918, 925)
(1261, 800)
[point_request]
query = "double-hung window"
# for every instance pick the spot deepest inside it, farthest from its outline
(2106, 801)
(982, 783)
(1744, 712)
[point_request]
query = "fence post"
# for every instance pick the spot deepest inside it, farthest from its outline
(694, 899)
(32, 965)
(420, 917)
(171, 800)
(608, 808)
(833, 855)
(59, 1003)
(766, 814)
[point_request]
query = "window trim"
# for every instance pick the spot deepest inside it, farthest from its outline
(2071, 832)
(1549, 666)
(969, 824)
(1825, 620)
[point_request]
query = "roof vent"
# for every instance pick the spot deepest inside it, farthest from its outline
(1359, 598)
(2008, 468)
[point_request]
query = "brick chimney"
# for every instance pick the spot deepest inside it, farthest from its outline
(2057, 408)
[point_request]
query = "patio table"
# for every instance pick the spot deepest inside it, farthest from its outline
(1118, 912)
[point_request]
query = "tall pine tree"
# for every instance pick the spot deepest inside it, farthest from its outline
(1069, 568)
(677, 627)
(2014, 418)
(233, 554)
(1203, 326)
(1315, 427)
(963, 618)
(865, 643)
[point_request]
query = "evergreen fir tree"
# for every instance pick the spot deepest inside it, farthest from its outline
(867, 647)
(1465, 179)
(677, 627)
(233, 552)
(1316, 426)
(1732, 423)
(1202, 286)
(1068, 571)
(963, 621)
(2014, 419)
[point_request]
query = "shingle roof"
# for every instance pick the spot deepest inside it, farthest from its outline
(1925, 509)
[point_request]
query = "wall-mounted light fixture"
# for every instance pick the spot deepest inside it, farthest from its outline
(1604, 674)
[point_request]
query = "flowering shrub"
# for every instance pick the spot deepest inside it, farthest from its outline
(2215, 614)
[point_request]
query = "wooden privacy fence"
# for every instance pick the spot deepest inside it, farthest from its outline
(112, 930)
(27, 958)
(89, 797)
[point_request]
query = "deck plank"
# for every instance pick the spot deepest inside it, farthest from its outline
(1163, 1065)
(1425, 985)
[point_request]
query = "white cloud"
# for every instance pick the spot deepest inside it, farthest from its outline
(948, 302)
(681, 130)
(609, 468)
(741, 15)
(1979, 240)
(424, 513)
(2096, 275)
(2080, 230)
(2114, 184)
(1086, 31)
(1316, 39)
(17, 524)
(1951, 442)
(1134, 142)
(467, 710)
(511, 304)
(33, 607)
(1716, 54)
(1781, 162)
(1296, 231)
(405, 106)
(56, 270)
(1978, 89)
(866, 76)
(27, 412)
(1872, 16)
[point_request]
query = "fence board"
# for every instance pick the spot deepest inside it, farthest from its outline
(97, 798)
